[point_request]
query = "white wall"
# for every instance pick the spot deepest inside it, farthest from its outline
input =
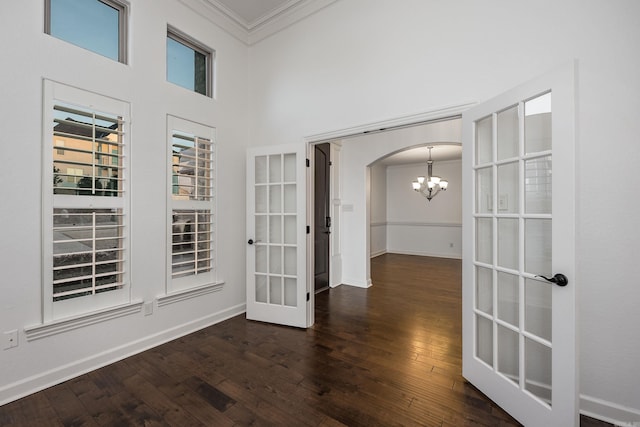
(29, 56)
(416, 226)
(363, 61)
(378, 209)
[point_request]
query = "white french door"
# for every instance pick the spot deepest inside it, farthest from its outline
(277, 235)
(519, 343)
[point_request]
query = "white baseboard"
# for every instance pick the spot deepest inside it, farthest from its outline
(27, 386)
(420, 253)
(377, 253)
(357, 283)
(609, 412)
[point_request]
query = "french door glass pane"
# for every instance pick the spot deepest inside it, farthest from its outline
(484, 290)
(508, 200)
(537, 308)
(537, 124)
(275, 260)
(275, 290)
(261, 169)
(261, 288)
(538, 369)
(484, 141)
(484, 240)
(484, 190)
(275, 169)
(290, 167)
(261, 228)
(261, 259)
(508, 353)
(290, 259)
(508, 298)
(508, 243)
(537, 246)
(290, 292)
(275, 229)
(261, 199)
(537, 185)
(275, 198)
(484, 339)
(508, 133)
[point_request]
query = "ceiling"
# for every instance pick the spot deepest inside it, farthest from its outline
(250, 13)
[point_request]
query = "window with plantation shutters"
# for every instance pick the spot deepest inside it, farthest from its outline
(192, 158)
(85, 209)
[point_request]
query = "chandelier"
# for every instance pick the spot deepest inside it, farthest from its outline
(432, 185)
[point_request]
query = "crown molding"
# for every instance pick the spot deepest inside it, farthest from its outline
(252, 32)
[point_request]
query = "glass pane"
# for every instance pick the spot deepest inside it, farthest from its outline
(484, 190)
(275, 168)
(509, 353)
(508, 298)
(537, 124)
(261, 229)
(290, 261)
(275, 290)
(261, 288)
(290, 292)
(290, 198)
(537, 308)
(275, 259)
(275, 229)
(484, 140)
(484, 340)
(508, 201)
(508, 133)
(290, 167)
(484, 290)
(261, 199)
(186, 67)
(275, 198)
(484, 240)
(537, 185)
(261, 259)
(90, 24)
(537, 246)
(538, 370)
(261, 169)
(508, 243)
(290, 235)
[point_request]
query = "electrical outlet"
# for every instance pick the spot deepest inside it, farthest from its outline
(10, 339)
(148, 308)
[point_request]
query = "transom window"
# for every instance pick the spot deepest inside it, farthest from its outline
(96, 25)
(189, 63)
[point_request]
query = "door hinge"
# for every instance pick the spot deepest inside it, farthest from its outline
(308, 230)
(308, 296)
(308, 163)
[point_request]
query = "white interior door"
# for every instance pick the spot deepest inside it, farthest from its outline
(519, 344)
(277, 235)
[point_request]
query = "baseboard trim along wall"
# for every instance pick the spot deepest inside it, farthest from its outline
(27, 386)
(609, 412)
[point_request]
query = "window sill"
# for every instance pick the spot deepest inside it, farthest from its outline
(64, 325)
(186, 294)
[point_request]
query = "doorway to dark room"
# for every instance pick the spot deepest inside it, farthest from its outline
(322, 217)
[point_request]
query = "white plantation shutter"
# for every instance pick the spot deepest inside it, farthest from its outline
(192, 159)
(85, 202)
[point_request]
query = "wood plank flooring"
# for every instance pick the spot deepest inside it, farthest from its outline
(389, 355)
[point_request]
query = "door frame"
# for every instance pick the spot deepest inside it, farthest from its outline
(335, 137)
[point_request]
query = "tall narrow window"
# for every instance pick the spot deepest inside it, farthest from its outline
(85, 209)
(189, 64)
(97, 25)
(191, 187)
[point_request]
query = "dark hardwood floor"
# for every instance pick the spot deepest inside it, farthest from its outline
(389, 355)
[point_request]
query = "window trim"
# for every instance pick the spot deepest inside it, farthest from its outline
(190, 42)
(53, 94)
(123, 27)
(207, 279)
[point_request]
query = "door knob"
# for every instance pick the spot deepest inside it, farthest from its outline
(559, 279)
(250, 241)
